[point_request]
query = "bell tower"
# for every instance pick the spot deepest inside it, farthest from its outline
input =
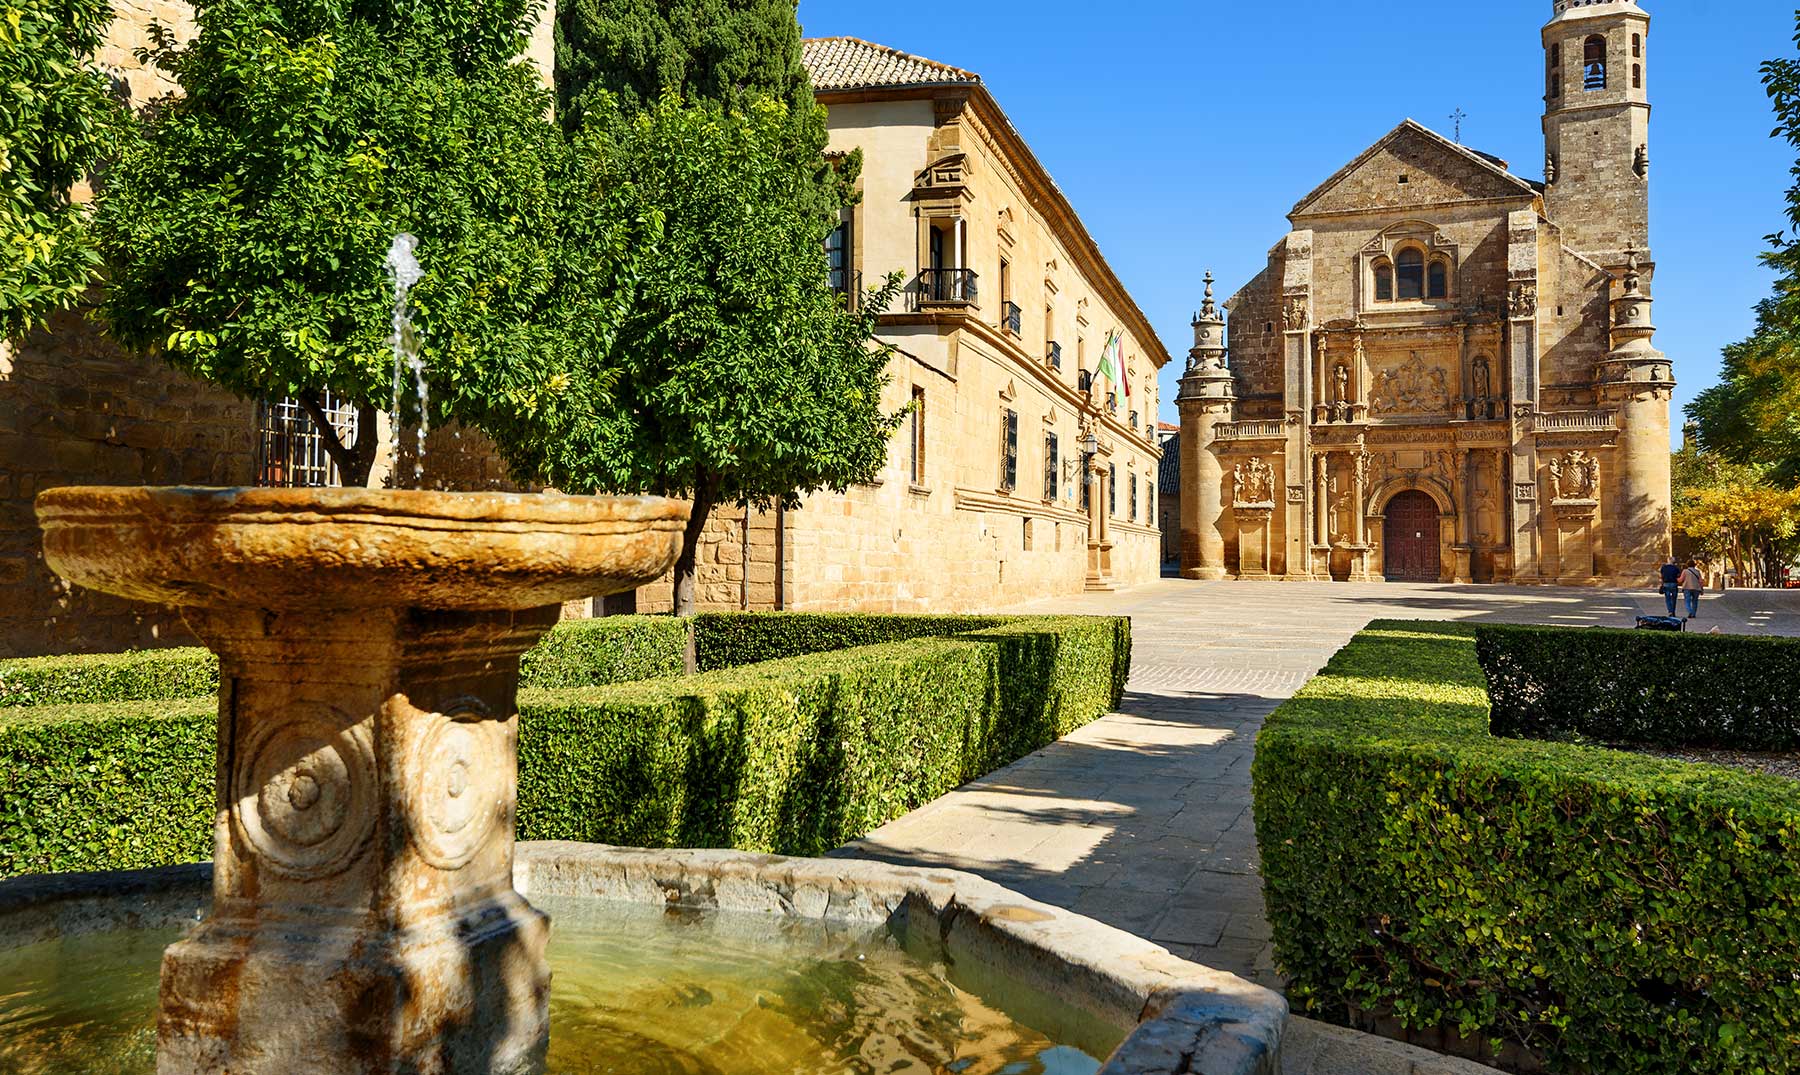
(1597, 127)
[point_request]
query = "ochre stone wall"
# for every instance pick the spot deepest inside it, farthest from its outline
(76, 410)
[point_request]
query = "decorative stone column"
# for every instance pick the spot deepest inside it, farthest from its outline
(1636, 379)
(1462, 567)
(1360, 461)
(1207, 399)
(1099, 576)
(1321, 544)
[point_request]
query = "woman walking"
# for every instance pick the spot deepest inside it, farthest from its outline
(1693, 584)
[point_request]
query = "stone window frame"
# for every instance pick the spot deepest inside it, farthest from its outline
(1383, 252)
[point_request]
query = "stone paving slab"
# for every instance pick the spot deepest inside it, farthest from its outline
(1142, 819)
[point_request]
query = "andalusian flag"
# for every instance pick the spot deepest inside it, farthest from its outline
(1112, 361)
(1109, 368)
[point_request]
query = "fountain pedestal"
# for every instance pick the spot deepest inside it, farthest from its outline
(364, 920)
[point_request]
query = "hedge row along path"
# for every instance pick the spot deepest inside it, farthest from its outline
(1142, 819)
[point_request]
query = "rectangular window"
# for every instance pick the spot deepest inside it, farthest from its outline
(1134, 498)
(1112, 489)
(837, 256)
(916, 464)
(1051, 465)
(290, 453)
(1009, 450)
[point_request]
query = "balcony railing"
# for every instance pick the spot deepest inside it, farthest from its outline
(1013, 318)
(1053, 355)
(1266, 430)
(1577, 422)
(942, 287)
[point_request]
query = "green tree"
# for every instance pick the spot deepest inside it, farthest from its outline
(1735, 514)
(630, 53)
(743, 377)
(56, 124)
(1753, 415)
(246, 227)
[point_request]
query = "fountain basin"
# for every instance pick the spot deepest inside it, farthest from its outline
(363, 919)
(1083, 984)
(355, 548)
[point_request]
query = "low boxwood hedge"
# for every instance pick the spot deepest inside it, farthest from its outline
(730, 639)
(1595, 910)
(793, 756)
(579, 653)
(1643, 687)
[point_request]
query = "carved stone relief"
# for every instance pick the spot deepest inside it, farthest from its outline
(1413, 388)
(1253, 483)
(1524, 300)
(1575, 476)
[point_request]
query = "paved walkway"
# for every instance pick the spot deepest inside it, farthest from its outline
(1142, 819)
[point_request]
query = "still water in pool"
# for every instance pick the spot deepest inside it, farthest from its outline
(635, 991)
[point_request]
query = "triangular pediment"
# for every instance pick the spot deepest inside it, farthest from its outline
(1437, 172)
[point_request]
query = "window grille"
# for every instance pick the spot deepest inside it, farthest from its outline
(1009, 451)
(916, 465)
(290, 453)
(1134, 498)
(1112, 489)
(1051, 465)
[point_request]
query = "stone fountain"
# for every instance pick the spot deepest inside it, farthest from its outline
(363, 918)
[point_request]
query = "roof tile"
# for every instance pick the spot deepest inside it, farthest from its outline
(850, 63)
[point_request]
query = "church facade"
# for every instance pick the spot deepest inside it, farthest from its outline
(1446, 371)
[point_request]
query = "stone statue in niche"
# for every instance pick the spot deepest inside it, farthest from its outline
(1482, 403)
(1524, 300)
(1340, 393)
(1576, 476)
(1295, 314)
(1253, 483)
(1412, 388)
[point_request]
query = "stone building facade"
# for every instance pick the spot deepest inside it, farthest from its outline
(1445, 373)
(1019, 472)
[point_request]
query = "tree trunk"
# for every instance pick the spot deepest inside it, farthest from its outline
(354, 462)
(705, 491)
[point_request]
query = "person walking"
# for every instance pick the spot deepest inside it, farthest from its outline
(1693, 584)
(1671, 583)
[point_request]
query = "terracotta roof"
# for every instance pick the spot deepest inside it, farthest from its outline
(1166, 427)
(850, 63)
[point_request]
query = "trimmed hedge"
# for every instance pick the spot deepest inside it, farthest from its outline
(139, 676)
(612, 649)
(1643, 687)
(1607, 912)
(579, 653)
(731, 639)
(794, 756)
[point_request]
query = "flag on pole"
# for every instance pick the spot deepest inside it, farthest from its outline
(1107, 369)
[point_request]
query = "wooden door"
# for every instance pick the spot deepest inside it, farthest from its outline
(1410, 539)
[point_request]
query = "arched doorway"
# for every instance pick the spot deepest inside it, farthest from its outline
(1410, 539)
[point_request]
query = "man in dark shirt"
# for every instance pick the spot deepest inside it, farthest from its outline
(1671, 583)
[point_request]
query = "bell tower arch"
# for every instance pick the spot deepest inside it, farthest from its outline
(1597, 127)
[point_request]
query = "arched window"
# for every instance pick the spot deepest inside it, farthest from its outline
(1384, 282)
(1593, 63)
(1637, 46)
(1553, 76)
(1437, 280)
(1637, 76)
(1409, 269)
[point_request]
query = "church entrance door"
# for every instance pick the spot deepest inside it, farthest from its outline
(1410, 539)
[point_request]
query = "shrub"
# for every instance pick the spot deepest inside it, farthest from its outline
(1647, 687)
(793, 756)
(1606, 911)
(730, 639)
(139, 676)
(580, 653)
(613, 649)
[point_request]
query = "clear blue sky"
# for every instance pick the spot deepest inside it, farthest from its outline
(1184, 132)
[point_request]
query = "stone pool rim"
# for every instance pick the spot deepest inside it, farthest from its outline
(1182, 1018)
